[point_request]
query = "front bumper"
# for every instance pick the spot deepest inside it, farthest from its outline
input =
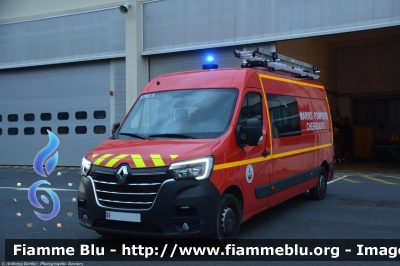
(185, 208)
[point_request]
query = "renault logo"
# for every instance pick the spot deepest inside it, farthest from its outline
(122, 174)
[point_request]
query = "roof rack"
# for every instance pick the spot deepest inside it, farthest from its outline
(274, 62)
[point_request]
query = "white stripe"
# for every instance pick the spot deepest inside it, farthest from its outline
(39, 188)
(337, 179)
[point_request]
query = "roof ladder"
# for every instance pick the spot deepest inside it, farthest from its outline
(264, 59)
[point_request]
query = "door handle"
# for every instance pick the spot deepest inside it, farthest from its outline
(265, 153)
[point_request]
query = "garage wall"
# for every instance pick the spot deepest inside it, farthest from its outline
(120, 89)
(359, 68)
(179, 25)
(315, 51)
(194, 60)
(65, 38)
(75, 95)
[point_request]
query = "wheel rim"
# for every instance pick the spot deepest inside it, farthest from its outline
(322, 183)
(228, 221)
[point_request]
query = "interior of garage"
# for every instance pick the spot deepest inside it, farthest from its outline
(360, 72)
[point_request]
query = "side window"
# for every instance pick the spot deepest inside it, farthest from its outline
(99, 129)
(45, 116)
(29, 117)
(251, 108)
(13, 118)
(80, 130)
(29, 131)
(99, 114)
(13, 131)
(284, 115)
(81, 115)
(43, 130)
(63, 116)
(63, 130)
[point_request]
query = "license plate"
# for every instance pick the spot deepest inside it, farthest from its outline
(123, 216)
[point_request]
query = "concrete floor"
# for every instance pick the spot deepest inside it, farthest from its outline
(369, 167)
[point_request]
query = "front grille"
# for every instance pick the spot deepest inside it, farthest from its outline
(128, 226)
(138, 192)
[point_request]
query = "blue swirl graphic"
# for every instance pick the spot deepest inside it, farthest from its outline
(33, 200)
(44, 153)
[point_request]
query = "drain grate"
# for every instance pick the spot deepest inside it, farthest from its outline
(368, 203)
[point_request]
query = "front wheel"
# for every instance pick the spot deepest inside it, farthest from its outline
(319, 191)
(227, 223)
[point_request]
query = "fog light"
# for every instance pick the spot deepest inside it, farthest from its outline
(84, 218)
(185, 227)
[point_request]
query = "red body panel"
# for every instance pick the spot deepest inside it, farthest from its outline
(288, 156)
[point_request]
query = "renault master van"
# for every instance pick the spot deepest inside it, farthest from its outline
(200, 152)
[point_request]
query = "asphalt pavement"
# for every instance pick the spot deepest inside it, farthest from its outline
(363, 202)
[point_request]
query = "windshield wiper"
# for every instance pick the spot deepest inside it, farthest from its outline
(134, 135)
(172, 135)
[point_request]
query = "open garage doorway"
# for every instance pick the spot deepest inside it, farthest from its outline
(361, 73)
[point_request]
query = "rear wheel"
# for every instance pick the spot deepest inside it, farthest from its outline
(319, 191)
(227, 223)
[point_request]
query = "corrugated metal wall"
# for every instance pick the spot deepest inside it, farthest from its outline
(179, 25)
(194, 60)
(72, 99)
(120, 89)
(76, 37)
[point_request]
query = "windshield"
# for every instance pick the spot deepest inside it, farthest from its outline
(200, 113)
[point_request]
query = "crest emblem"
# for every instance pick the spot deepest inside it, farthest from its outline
(249, 173)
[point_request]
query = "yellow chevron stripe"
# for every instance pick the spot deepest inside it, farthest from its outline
(138, 160)
(173, 156)
(157, 160)
(94, 155)
(98, 161)
(113, 161)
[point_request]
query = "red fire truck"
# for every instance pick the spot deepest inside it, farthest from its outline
(200, 152)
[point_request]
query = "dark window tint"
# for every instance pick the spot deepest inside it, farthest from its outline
(99, 114)
(80, 130)
(99, 129)
(43, 130)
(81, 115)
(1, 131)
(13, 131)
(63, 116)
(63, 130)
(29, 117)
(45, 116)
(29, 131)
(251, 107)
(1, 118)
(13, 118)
(284, 114)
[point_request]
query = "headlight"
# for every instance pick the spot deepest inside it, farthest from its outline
(85, 167)
(193, 169)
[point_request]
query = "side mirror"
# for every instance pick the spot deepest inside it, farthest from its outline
(115, 126)
(250, 133)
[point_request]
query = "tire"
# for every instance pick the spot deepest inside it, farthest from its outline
(319, 191)
(228, 219)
